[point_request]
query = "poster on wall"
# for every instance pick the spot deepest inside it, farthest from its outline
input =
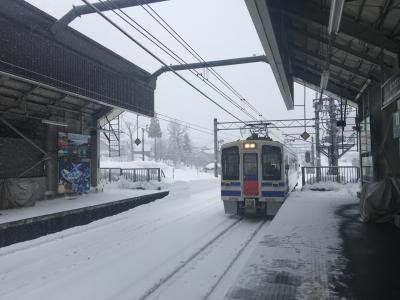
(72, 144)
(73, 175)
(73, 163)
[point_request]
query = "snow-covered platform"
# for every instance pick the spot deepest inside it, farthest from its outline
(49, 216)
(302, 255)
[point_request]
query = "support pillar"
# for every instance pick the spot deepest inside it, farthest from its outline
(94, 156)
(52, 161)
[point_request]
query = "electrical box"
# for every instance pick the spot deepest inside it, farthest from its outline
(396, 125)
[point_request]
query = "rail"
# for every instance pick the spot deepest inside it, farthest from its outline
(341, 174)
(134, 174)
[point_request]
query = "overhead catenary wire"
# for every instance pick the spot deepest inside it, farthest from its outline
(160, 60)
(194, 53)
(197, 56)
(144, 32)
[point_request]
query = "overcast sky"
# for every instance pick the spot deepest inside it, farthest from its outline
(216, 30)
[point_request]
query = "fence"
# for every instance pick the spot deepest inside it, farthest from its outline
(134, 175)
(342, 174)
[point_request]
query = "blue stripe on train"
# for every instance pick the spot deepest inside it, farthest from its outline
(231, 193)
(270, 184)
(233, 183)
(273, 193)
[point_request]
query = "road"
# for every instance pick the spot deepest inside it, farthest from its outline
(180, 247)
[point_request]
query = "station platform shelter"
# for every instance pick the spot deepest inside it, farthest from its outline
(57, 88)
(317, 247)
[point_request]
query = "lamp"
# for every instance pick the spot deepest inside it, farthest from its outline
(324, 80)
(335, 16)
(54, 123)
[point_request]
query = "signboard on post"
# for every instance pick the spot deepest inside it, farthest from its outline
(305, 135)
(391, 90)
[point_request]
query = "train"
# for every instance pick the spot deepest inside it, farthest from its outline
(257, 175)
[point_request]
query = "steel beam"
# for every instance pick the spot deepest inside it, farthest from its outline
(317, 71)
(322, 58)
(313, 79)
(208, 64)
(306, 11)
(346, 49)
(78, 11)
(32, 143)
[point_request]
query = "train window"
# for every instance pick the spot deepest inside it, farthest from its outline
(271, 162)
(230, 163)
(250, 169)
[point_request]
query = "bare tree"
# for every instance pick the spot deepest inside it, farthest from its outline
(130, 128)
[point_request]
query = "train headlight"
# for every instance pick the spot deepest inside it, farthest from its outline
(249, 145)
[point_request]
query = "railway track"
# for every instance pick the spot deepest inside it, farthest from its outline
(185, 268)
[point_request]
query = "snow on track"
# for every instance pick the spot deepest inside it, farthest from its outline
(201, 273)
(125, 256)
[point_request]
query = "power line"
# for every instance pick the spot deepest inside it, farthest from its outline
(159, 60)
(196, 55)
(171, 53)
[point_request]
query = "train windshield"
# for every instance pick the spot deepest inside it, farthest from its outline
(230, 163)
(271, 162)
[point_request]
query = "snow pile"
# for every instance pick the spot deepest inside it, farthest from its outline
(328, 186)
(132, 164)
(181, 173)
(122, 183)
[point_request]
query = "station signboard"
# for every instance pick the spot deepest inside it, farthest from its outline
(391, 90)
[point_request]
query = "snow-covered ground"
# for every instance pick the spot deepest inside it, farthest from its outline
(300, 252)
(180, 247)
(111, 193)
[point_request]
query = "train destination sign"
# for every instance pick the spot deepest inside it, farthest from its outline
(391, 90)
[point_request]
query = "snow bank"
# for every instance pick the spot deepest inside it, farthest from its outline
(328, 186)
(171, 173)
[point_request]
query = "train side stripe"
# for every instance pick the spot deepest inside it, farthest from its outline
(270, 183)
(234, 183)
(231, 193)
(273, 193)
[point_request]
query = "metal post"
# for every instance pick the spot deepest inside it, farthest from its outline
(142, 144)
(215, 148)
(312, 152)
(159, 174)
(317, 141)
(303, 179)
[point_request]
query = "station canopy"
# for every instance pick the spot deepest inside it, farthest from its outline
(297, 41)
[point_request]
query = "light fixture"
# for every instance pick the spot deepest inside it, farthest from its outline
(324, 80)
(364, 87)
(249, 145)
(54, 123)
(335, 16)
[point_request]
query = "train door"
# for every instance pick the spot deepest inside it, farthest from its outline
(250, 181)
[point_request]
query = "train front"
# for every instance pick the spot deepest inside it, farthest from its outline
(253, 178)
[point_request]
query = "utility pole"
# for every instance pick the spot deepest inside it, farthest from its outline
(215, 148)
(334, 149)
(142, 144)
(317, 108)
